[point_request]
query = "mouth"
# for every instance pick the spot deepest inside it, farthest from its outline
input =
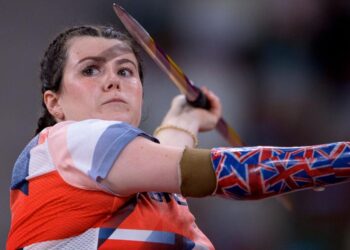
(114, 100)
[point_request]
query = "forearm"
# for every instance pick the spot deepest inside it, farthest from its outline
(259, 172)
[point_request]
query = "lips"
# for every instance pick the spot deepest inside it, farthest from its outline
(114, 100)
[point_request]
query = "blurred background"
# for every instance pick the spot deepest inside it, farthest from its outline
(280, 67)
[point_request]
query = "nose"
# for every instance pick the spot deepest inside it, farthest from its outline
(112, 83)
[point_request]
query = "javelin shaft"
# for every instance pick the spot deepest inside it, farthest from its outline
(193, 94)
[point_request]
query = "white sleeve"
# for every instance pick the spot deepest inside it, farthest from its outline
(84, 152)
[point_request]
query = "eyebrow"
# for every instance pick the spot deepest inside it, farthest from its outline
(126, 60)
(102, 59)
(92, 58)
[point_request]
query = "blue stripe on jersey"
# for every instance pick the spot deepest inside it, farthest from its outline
(21, 168)
(111, 143)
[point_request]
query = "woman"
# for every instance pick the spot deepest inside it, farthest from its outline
(91, 179)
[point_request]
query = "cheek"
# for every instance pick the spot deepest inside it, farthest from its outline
(138, 99)
(77, 98)
(79, 89)
(140, 96)
(137, 92)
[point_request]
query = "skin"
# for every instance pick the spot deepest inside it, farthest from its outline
(193, 119)
(101, 81)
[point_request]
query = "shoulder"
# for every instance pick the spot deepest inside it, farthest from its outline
(96, 128)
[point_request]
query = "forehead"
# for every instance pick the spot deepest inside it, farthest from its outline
(85, 46)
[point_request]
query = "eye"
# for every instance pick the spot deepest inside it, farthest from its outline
(91, 70)
(125, 72)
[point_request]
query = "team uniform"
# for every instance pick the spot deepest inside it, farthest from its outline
(58, 202)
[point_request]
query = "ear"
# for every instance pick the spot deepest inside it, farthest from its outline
(51, 100)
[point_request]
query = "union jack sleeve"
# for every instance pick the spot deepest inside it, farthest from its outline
(258, 172)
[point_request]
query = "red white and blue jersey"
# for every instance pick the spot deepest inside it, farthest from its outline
(57, 201)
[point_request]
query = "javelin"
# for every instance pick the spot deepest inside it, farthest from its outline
(193, 94)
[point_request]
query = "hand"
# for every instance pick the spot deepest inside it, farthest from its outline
(194, 119)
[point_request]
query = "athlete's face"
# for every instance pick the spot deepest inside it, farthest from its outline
(100, 80)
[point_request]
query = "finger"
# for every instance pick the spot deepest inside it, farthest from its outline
(178, 100)
(214, 101)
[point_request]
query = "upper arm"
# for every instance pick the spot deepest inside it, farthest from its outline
(145, 166)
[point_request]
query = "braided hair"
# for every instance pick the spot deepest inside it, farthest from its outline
(53, 62)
